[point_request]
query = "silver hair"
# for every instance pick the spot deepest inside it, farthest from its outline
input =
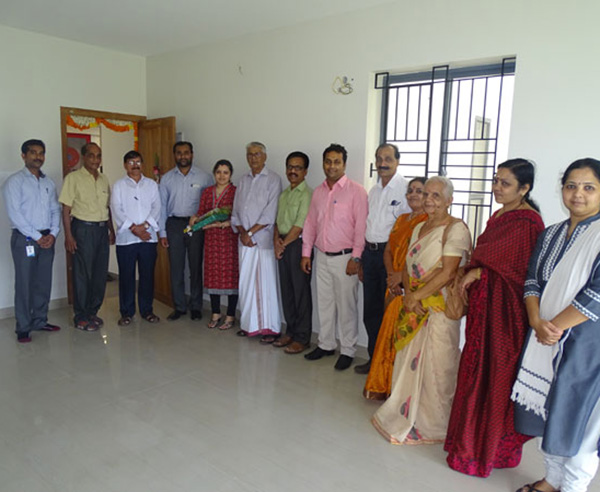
(445, 182)
(257, 144)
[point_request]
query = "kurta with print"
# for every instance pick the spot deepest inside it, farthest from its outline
(221, 270)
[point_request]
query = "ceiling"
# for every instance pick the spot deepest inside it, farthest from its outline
(149, 27)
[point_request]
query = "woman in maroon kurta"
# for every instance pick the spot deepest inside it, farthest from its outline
(481, 434)
(221, 271)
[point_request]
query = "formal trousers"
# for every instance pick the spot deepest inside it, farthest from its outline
(90, 267)
(296, 299)
(337, 303)
(142, 255)
(180, 246)
(33, 283)
(574, 474)
(374, 287)
(259, 295)
(215, 304)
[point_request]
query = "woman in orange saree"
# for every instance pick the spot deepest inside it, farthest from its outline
(379, 380)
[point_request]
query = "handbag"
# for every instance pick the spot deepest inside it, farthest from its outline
(456, 304)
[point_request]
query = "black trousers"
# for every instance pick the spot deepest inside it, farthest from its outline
(215, 304)
(90, 268)
(374, 286)
(33, 283)
(144, 256)
(180, 246)
(296, 297)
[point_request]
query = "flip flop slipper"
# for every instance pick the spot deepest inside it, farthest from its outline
(124, 321)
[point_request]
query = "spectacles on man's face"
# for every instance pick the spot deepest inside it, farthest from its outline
(295, 168)
(134, 163)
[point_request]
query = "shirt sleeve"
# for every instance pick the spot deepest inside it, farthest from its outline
(164, 200)
(235, 211)
(303, 209)
(309, 232)
(54, 212)
(12, 198)
(361, 210)
(458, 241)
(67, 193)
(587, 301)
(155, 209)
(268, 215)
(118, 209)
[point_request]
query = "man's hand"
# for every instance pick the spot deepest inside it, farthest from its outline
(306, 265)
(70, 244)
(279, 248)
(164, 242)
(140, 231)
(111, 236)
(352, 267)
(46, 241)
(246, 240)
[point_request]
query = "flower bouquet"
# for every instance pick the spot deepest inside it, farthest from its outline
(215, 215)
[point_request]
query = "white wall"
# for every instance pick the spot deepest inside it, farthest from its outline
(282, 93)
(40, 74)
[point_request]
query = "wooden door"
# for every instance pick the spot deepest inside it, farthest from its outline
(155, 142)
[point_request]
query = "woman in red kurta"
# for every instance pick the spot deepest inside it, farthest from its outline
(221, 271)
(481, 434)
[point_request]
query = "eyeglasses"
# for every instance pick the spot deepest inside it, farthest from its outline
(133, 163)
(295, 168)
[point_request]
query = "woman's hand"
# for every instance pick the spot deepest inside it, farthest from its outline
(545, 332)
(193, 220)
(211, 226)
(470, 277)
(394, 279)
(413, 305)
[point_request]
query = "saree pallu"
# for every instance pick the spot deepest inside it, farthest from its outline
(481, 434)
(425, 366)
(379, 380)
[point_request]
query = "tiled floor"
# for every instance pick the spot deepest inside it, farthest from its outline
(178, 407)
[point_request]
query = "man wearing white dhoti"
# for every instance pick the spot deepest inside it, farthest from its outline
(254, 215)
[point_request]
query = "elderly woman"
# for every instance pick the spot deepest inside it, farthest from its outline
(426, 341)
(558, 385)
(379, 381)
(481, 433)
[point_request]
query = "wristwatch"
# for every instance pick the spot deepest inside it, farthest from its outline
(355, 259)
(250, 234)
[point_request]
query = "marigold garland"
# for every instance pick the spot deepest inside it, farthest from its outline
(87, 122)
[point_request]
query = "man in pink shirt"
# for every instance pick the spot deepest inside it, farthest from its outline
(335, 225)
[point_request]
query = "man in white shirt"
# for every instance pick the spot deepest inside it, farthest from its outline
(135, 205)
(387, 201)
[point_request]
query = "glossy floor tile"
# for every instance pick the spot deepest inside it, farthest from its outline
(178, 407)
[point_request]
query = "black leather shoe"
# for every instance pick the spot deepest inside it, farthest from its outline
(318, 353)
(195, 314)
(175, 315)
(343, 363)
(363, 368)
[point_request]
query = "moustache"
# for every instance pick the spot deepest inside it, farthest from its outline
(383, 168)
(293, 175)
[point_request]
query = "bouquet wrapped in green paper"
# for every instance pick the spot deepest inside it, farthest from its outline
(215, 215)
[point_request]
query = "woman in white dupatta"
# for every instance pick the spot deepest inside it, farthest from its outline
(426, 363)
(557, 391)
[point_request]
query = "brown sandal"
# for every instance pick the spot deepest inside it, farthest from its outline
(227, 324)
(531, 487)
(213, 323)
(124, 321)
(151, 318)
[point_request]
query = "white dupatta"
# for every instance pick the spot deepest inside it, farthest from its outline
(570, 275)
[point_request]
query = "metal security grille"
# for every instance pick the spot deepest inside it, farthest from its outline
(452, 122)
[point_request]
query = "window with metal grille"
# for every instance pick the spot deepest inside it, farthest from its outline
(452, 122)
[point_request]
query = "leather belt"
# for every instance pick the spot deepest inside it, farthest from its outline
(339, 253)
(375, 246)
(88, 223)
(179, 218)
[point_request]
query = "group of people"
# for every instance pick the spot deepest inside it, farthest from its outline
(529, 366)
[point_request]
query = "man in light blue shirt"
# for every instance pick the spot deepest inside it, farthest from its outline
(180, 191)
(34, 213)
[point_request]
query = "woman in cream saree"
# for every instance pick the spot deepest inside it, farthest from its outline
(426, 363)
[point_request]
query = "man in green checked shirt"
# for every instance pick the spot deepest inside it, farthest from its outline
(296, 297)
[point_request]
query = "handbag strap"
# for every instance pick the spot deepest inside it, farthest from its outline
(447, 230)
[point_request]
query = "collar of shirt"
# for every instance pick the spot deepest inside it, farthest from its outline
(264, 172)
(340, 183)
(29, 174)
(300, 187)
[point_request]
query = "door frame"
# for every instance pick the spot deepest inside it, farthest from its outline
(92, 113)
